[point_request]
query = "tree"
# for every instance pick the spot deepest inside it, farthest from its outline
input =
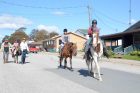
(19, 34)
(33, 34)
(41, 35)
(5, 37)
(21, 29)
(52, 34)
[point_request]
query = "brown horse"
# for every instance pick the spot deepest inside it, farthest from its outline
(69, 50)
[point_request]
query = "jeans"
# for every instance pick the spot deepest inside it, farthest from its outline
(23, 56)
(5, 56)
(88, 43)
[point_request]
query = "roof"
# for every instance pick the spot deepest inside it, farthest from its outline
(77, 35)
(133, 29)
(83, 31)
(55, 37)
(36, 43)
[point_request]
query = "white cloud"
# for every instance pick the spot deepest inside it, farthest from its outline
(59, 13)
(13, 22)
(48, 28)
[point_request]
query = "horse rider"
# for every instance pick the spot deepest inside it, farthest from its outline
(6, 48)
(65, 39)
(93, 33)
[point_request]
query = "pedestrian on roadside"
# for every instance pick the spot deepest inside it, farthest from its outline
(24, 48)
(16, 51)
(6, 48)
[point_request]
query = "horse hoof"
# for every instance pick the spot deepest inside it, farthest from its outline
(94, 75)
(100, 79)
(64, 67)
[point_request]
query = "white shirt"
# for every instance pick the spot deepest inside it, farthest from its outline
(23, 46)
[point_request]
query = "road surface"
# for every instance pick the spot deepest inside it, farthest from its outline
(41, 74)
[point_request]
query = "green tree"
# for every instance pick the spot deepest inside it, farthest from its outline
(33, 34)
(52, 34)
(19, 34)
(41, 35)
(5, 37)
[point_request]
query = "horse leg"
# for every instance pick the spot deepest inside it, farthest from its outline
(61, 59)
(91, 71)
(97, 68)
(65, 63)
(70, 63)
(88, 65)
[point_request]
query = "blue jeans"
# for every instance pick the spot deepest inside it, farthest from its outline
(5, 56)
(88, 43)
(23, 56)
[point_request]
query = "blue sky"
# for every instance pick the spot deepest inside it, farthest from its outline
(112, 15)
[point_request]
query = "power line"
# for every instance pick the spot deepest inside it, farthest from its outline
(110, 18)
(104, 22)
(40, 7)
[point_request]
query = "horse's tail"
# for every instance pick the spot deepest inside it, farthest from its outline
(105, 51)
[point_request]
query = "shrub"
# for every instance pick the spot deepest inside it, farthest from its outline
(138, 53)
(134, 53)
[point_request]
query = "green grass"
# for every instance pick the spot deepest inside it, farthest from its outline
(131, 57)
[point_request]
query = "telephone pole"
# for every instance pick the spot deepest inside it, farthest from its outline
(89, 14)
(130, 12)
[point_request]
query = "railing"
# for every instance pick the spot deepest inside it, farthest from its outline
(128, 49)
(118, 50)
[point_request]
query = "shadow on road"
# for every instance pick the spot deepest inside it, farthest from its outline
(83, 72)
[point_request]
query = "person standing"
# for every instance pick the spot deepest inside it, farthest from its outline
(5, 48)
(15, 51)
(24, 48)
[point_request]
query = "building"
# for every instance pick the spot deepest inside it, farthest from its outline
(54, 43)
(130, 39)
(82, 32)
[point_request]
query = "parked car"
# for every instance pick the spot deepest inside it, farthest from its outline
(33, 49)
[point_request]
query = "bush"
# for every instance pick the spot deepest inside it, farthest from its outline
(134, 53)
(138, 53)
(110, 52)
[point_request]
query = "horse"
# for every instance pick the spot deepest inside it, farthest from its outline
(92, 55)
(69, 50)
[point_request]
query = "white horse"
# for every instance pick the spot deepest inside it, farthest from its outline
(93, 55)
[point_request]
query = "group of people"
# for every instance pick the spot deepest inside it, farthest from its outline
(16, 50)
(92, 40)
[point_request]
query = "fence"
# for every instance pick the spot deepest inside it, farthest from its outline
(128, 49)
(118, 49)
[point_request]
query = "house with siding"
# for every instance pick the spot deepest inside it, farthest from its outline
(53, 44)
(130, 39)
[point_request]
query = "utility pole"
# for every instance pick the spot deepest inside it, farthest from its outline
(129, 12)
(89, 14)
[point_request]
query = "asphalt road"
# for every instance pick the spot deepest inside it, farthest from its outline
(41, 74)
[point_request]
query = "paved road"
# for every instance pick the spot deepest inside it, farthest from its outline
(41, 75)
